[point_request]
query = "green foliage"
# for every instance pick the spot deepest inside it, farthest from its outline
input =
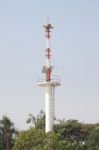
(33, 139)
(40, 121)
(71, 130)
(93, 140)
(74, 131)
(67, 135)
(7, 131)
(51, 141)
(36, 139)
(67, 145)
(37, 122)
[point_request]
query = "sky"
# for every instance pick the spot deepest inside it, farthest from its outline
(75, 57)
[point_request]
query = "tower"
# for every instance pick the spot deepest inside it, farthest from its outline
(49, 83)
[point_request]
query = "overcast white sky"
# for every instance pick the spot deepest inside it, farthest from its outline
(75, 50)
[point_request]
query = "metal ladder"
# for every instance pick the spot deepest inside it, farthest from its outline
(52, 106)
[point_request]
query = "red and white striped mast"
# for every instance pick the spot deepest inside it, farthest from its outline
(48, 83)
(48, 28)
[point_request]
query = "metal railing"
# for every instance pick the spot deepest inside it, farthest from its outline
(54, 78)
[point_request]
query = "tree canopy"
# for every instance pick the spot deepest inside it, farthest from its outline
(67, 135)
(7, 132)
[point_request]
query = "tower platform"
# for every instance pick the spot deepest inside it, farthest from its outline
(45, 83)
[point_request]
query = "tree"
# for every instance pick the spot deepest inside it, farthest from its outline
(67, 135)
(7, 131)
(93, 139)
(74, 131)
(51, 141)
(37, 122)
(32, 139)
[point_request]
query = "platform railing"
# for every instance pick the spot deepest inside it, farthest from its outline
(54, 78)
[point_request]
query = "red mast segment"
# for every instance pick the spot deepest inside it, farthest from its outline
(48, 69)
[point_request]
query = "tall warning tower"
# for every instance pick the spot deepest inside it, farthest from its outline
(49, 83)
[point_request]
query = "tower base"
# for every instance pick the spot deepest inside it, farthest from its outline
(49, 103)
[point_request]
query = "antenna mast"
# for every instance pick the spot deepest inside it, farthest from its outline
(49, 83)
